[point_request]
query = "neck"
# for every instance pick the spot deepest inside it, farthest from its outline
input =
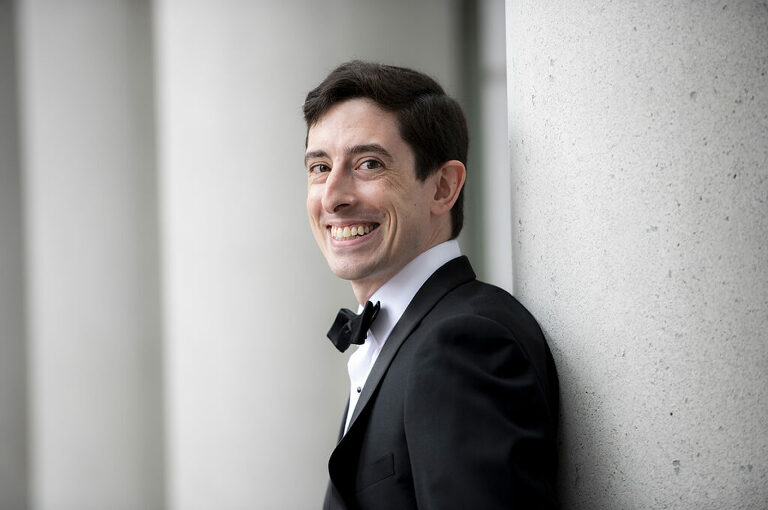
(365, 288)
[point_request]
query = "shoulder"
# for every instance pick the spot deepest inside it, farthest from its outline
(478, 331)
(476, 310)
(469, 344)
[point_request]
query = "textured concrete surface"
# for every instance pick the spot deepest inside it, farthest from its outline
(639, 141)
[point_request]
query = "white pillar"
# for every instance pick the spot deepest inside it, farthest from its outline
(255, 390)
(491, 143)
(89, 201)
(640, 212)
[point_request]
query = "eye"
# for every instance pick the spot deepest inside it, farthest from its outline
(318, 168)
(370, 164)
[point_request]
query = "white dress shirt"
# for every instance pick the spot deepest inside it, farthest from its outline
(394, 296)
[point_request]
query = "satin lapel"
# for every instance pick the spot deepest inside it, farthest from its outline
(445, 279)
(343, 422)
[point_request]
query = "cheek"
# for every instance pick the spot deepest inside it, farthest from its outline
(313, 203)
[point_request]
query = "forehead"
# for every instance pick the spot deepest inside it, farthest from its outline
(355, 121)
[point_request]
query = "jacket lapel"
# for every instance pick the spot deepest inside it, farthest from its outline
(343, 422)
(442, 281)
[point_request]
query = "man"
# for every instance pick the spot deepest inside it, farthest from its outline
(453, 397)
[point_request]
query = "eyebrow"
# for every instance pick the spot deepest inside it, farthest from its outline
(314, 154)
(353, 151)
(370, 147)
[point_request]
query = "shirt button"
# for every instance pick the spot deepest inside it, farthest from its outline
(359, 389)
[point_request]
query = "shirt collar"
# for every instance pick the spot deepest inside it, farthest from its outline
(398, 291)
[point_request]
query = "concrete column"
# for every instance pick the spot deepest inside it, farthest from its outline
(95, 428)
(640, 212)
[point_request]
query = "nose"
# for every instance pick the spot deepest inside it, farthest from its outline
(339, 190)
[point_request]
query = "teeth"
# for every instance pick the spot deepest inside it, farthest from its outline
(345, 233)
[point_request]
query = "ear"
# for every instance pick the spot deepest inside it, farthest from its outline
(449, 179)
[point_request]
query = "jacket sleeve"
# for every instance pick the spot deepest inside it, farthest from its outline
(479, 428)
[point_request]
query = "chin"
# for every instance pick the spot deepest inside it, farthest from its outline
(347, 271)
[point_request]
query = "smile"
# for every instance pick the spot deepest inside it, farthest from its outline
(348, 232)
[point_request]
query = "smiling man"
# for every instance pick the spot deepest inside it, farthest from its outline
(453, 397)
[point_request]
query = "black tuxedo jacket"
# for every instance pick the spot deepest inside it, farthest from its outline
(459, 411)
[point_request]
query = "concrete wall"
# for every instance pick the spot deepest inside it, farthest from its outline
(640, 208)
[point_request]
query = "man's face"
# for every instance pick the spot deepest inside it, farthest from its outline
(369, 213)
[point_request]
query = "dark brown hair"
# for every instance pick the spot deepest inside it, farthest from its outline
(430, 121)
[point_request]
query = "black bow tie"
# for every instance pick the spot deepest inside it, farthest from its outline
(349, 328)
